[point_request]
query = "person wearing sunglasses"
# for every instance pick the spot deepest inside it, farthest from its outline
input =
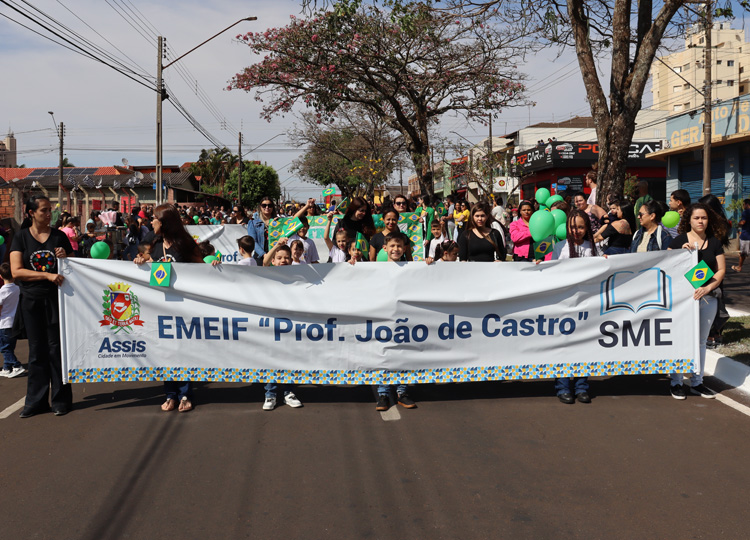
(650, 236)
(257, 228)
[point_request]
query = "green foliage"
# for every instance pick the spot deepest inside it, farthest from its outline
(258, 181)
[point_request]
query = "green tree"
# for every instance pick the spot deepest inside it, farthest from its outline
(408, 75)
(67, 163)
(258, 181)
(214, 166)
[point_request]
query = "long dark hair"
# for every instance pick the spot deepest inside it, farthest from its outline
(714, 203)
(368, 225)
(479, 207)
(588, 235)
(715, 225)
(32, 205)
(175, 233)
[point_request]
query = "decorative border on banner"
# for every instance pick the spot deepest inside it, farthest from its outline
(467, 374)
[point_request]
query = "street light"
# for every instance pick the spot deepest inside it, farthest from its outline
(60, 134)
(161, 95)
(239, 175)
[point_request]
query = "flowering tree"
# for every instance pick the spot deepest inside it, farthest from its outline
(408, 74)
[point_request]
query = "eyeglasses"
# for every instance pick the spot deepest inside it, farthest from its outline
(266, 206)
(641, 214)
(399, 203)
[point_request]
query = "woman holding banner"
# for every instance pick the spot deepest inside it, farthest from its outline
(172, 243)
(358, 219)
(257, 228)
(700, 228)
(33, 261)
(479, 242)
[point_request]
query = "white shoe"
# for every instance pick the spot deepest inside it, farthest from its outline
(291, 400)
(6, 373)
(16, 371)
(269, 404)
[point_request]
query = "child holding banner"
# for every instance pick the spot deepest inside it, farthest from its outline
(172, 243)
(282, 256)
(700, 228)
(579, 243)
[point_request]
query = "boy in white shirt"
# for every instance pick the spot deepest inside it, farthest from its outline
(246, 246)
(310, 255)
(9, 294)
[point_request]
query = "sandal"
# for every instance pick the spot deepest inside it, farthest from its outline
(185, 405)
(737, 268)
(169, 405)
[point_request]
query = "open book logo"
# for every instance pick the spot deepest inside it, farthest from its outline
(648, 289)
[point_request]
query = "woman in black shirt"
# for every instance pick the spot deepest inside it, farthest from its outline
(701, 229)
(33, 261)
(172, 244)
(479, 242)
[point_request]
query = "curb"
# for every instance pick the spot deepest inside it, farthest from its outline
(737, 312)
(731, 372)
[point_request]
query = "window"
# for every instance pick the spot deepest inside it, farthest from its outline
(702, 40)
(676, 88)
(730, 63)
(730, 82)
(686, 67)
(742, 69)
(677, 107)
(742, 89)
(677, 69)
(718, 82)
(686, 86)
(718, 62)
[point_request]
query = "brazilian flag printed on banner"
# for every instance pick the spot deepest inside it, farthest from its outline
(161, 274)
(699, 274)
(363, 246)
(329, 191)
(542, 248)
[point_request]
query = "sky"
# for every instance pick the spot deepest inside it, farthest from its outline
(109, 117)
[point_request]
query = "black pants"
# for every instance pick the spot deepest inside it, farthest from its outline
(41, 318)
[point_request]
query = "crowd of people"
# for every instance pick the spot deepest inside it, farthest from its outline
(454, 231)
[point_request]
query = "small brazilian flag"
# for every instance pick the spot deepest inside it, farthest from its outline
(542, 248)
(292, 226)
(343, 205)
(329, 191)
(161, 274)
(363, 246)
(699, 274)
(441, 210)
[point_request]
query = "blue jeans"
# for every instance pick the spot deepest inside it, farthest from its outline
(7, 348)
(272, 388)
(177, 389)
(562, 385)
(386, 389)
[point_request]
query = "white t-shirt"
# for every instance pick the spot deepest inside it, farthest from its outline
(592, 197)
(9, 294)
(310, 254)
(301, 261)
(337, 255)
(434, 244)
(561, 250)
(248, 262)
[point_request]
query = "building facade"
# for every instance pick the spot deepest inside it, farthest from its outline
(8, 157)
(678, 78)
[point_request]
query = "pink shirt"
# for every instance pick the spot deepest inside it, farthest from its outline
(70, 233)
(521, 237)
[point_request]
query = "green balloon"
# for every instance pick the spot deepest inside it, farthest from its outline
(670, 219)
(100, 250)
(560, 217)
(561, 232)
(196, 219)
(2, 240)
(208, 259)
(541, 195)
(543, 207)
(541, 225)
(552, 200)
(382, 256)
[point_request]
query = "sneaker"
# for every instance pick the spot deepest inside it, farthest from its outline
(269, 404)
(5, 372)
(16, 371)
(406, 402)
(383, 403)
(291, 400)
(678, 391)
(702, 391)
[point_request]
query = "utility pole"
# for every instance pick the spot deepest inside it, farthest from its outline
(159, 98)
(239, 177)
(490, 160)
(707, 131)
(60, 171)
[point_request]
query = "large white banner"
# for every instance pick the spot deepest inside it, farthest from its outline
(222, 237)
(379, 322)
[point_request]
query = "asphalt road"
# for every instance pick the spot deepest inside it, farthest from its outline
(474, 461)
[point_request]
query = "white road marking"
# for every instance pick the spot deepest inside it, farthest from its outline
(729, 402)
(391, 414)
(13, 408)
